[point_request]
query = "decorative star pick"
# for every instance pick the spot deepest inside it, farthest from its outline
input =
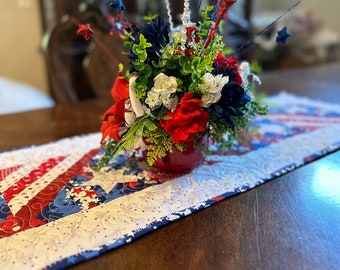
(119, 24)
(85, 31)
(269, 26)
(282, 35)
(117, 5)
(223, 8)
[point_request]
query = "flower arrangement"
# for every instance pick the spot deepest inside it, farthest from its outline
(182, 85)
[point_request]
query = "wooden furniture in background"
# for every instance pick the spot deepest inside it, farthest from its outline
(80, 69)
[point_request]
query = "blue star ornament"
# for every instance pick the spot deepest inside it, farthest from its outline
(117, 5)
(282, 35)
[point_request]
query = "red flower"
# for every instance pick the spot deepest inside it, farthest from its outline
(188, 52)
(220, 60)
(120, 89)
(191, 36)
(189, 119)
(228, 62)
(112, 121)
(114, 117)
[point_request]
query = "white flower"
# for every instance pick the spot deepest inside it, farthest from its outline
(212, 88)
(213, 84)
(162, 93)
(246, 75)
(209, 99)
(164, 83)
(153, 100)
(168, 101)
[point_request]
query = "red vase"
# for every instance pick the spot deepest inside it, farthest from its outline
(186, 160)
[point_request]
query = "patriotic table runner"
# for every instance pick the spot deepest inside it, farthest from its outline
(55, 211)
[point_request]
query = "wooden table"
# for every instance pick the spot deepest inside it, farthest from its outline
(292, 222)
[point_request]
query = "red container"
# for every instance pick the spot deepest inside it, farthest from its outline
(186, 160)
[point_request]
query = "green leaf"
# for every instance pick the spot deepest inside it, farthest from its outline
(147, 70)
(187, 69)
(143, 42)
(183, 60)
(120, 68)
(195, 61)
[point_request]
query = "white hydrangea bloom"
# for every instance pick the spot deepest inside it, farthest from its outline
(162, 92)
(212, 88)
(153, 100)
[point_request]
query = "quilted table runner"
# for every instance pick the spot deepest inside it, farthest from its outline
(56, 211)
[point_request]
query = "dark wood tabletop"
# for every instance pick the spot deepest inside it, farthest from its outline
(291, 222)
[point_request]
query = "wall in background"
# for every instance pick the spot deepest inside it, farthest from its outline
(20, 50)
(327, 11)
(21, 34)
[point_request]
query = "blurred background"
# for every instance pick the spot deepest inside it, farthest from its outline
(27, 73)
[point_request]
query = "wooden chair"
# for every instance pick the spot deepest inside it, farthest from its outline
(80, 69)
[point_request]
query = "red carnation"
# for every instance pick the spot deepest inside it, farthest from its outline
(188, 119)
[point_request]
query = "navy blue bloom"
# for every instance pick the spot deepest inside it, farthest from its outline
(117, 5)
(232, 100)
(156, 32)
(225, 71)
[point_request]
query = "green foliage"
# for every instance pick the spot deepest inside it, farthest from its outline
(159, 145)
(109, 153)
(205, 24)
(120, 68)
(149, 17)
(143, 126)
(140, 49)
(158, 141)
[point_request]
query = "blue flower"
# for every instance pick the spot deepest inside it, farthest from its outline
(225, 71)
(156, 32)
(230, 104)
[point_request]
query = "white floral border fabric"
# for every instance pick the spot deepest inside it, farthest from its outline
(55, 211)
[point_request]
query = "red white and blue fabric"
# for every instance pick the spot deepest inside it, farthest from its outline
(56, 211)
